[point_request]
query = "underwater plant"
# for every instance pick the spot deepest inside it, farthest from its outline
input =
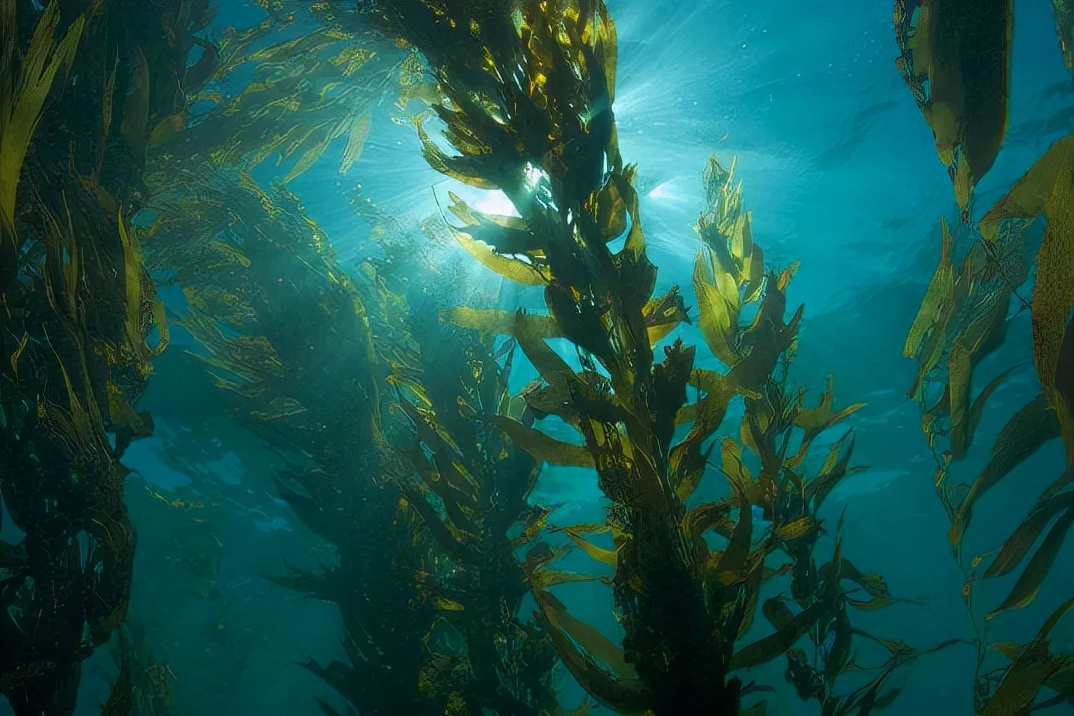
(964, 317)
(81, 321)
(408, 562)
(526, 94)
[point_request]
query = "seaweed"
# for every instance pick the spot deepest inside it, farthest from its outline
(525, 97)
(81, 325)
(964, 317)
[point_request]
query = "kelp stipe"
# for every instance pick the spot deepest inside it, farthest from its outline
(526, 98)
(964, 317)
(79, 314)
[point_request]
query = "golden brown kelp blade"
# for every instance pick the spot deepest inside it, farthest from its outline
(1031, 669)
(1029, 428)
(956, 60)
(26, 81)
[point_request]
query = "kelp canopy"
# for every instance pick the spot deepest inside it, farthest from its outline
(404, 441)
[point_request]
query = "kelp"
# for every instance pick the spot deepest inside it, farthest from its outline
(473, 485)
(81, 326)
(435, 560)
(525, 98)
(313, 392)
(1064, 25)
(956, 62)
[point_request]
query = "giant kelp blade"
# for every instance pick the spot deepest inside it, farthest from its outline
(1028, 584)
(956, 60)
(1064, 26)
(974, 418)
(1016, 546)
(1064, 387)
(545, 448)
(1029, 428)
(936, 297)
(577, 644)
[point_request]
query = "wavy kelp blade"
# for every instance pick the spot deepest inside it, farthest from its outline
(1030, 195)
(834, 469)
(1028, 584)
(1028, 429)
(936, 297)
(359, 132)
(956, 60)
(784, 638)
(604, 556)
(580, 646)
(823, 416)
(716, 318)
(961, 441)
(1064, 388)
(1015, 548)
(503, 322)
(1031, 669)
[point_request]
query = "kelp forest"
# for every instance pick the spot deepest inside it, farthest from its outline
(291, 426)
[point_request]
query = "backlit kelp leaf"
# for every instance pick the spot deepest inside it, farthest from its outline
(28, 81)
(771, 646)
(1061, 680)
(816, 420)
(738, 549)
(359, 132)
(601, 554)
(1028, 584)
(823, 416)
(543, 447)
(1028, 429)
(704, 517)
(516, 270)
(957, 64)
(1016, 546)
(776, 611)
(1031, 669)
(1031, 194)
(1064, 388)
(936, 299)
(834, 469)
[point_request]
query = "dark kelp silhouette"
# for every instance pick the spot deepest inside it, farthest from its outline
(525, 94)
(83, 85)
(964, 317)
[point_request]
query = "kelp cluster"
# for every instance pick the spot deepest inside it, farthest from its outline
(965, 316)
(388, 426)
(80, 319)
(526, 95)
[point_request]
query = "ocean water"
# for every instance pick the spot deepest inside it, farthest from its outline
(840, 173)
